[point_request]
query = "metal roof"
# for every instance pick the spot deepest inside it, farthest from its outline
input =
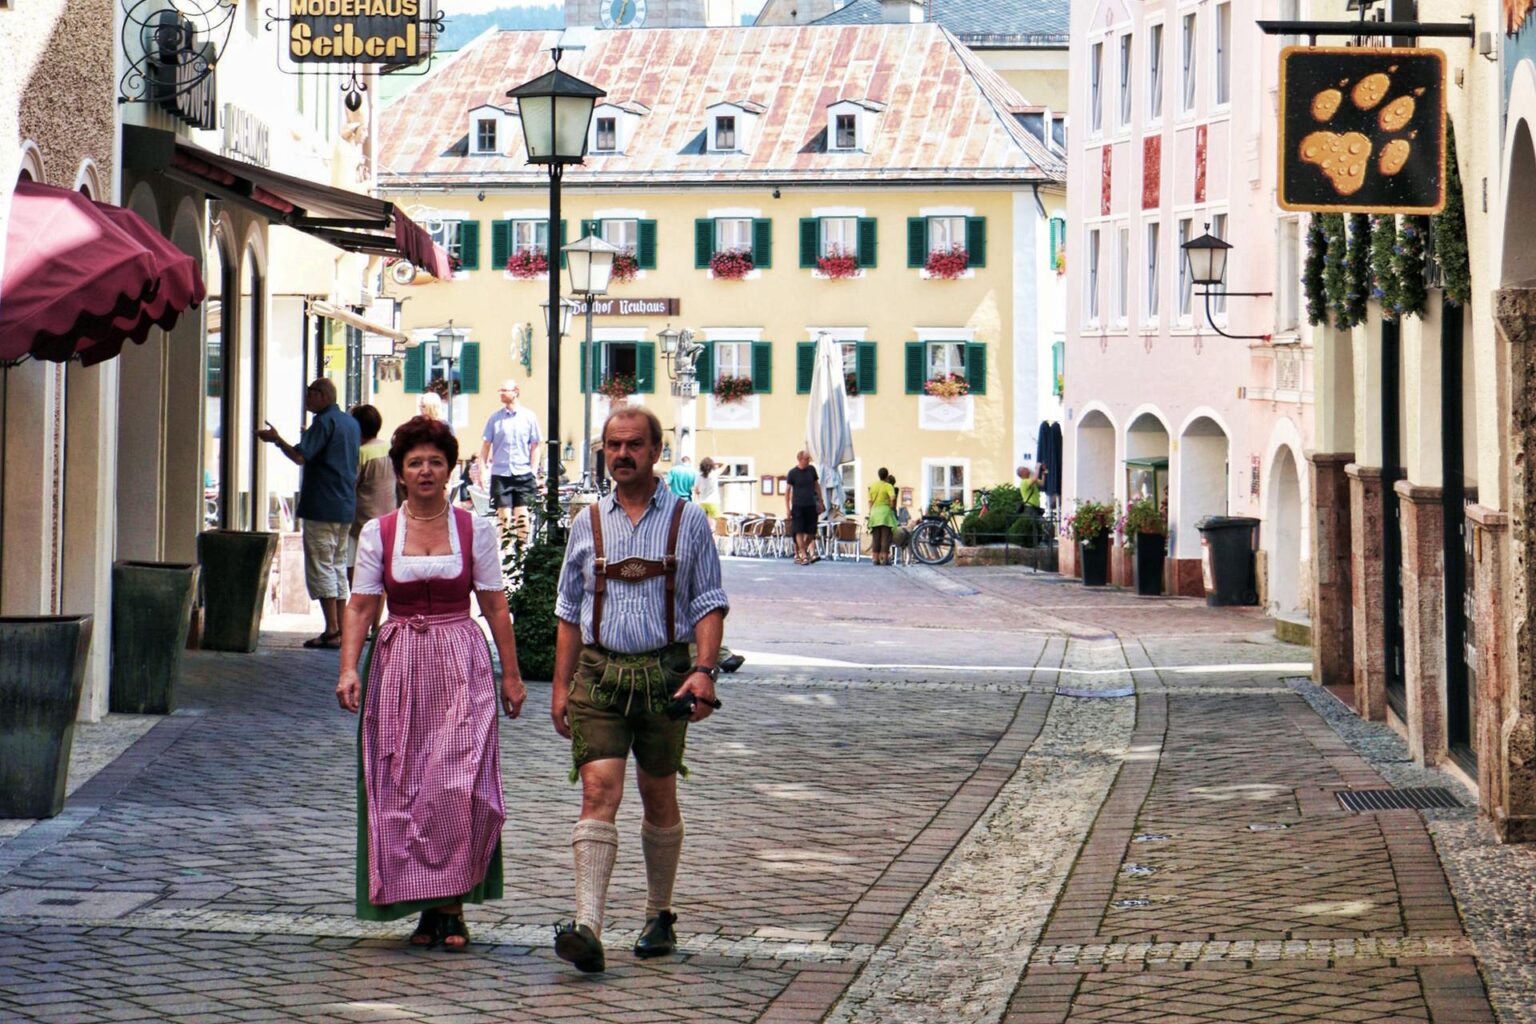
(947, 116)
(986, 23)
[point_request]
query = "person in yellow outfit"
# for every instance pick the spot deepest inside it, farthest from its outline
(882, 516)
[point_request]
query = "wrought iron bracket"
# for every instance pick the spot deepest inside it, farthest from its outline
(1227, 295)
(171, 48)
(1363, 28)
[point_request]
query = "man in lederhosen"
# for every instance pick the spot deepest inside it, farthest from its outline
(641, 581)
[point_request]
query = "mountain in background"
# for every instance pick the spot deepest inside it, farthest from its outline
(462, 28)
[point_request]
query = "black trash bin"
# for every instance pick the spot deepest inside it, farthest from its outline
(151, 613)
(1228, 543)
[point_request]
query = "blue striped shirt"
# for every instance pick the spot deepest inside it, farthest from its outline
(635, 614)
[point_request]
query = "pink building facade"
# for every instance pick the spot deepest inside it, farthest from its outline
(1173, 135)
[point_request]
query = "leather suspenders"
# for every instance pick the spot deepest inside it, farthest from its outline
(633, 570)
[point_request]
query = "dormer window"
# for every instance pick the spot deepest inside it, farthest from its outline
(850, 123)
(607, 135)
(725, 132)
(730, 126)
(485, 135)
(846, 131)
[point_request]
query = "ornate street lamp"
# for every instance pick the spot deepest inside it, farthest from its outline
(589, 261)
(1206, 260)
(450, 348)
(681, 353)
(555, 111)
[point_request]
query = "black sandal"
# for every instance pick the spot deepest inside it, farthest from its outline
(451, 926)
(430, 927)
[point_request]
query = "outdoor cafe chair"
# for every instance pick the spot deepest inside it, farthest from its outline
(844, 538)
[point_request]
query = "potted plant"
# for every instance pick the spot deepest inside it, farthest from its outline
(948, 385)
(42, 671)
(1145, 528)
(851, 384)
(151, 614)
(731, 264)
(730, 389)
(625, 266)
(617, 388)
(526, 263)
(838, 263)
(947, 264)
(1089, 525)
(234, 566)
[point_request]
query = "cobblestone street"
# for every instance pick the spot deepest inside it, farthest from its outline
(971, 795)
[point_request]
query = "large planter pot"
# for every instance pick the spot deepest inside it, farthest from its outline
(235, 565)
(151, 613)
(1094, 560)
(42, 669)
(1151, 550)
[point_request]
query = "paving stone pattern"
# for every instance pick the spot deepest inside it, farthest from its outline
(898, 818)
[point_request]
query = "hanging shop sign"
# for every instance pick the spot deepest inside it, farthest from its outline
(631, 307)
(1362, 130)
(170, 55)
(246, 137)
(394, 32)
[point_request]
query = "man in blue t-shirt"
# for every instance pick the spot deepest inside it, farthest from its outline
(327, 500)
(510, 449)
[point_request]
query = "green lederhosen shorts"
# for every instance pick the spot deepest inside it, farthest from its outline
(618, 704)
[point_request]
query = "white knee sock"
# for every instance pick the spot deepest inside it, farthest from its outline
(594, 845)
(662, 847)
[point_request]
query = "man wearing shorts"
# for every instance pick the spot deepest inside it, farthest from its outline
(511, 450)
(641, 581)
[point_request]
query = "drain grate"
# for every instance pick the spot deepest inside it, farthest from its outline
(1395, 799)
(1090, 694)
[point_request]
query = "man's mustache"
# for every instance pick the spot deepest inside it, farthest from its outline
(623, 462)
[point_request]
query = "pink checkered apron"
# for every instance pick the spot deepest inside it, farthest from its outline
(431, 762)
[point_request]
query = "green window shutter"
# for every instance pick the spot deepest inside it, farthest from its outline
(762, 367)
(592, 227)
(704, 368)
(762, 242)
(585, 380)
(469, 244)
(810, 242)
(703, 243)
(1058, 231)
(976, 368)
(864, 367)
(415, 369)
(1058, 366)
(867, 241)
(916, 366)
(976, 241)
(645, 367)
(645, 252)
(469, 368)
(917, 241)
(561, 244)
(501, 244)
(805, 366)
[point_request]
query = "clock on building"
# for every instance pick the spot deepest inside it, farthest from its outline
(622, 13)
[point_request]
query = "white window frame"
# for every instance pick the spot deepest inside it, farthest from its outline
(481, 123)
(1127, 66)
(1155, 45)
(1288, 267)
(1096, 87)
(1152, 270)
(597, 133)
(1189, 41)
(1221, 88)
(740, 359)
(850, 225)
(1219, 293)
(944, 232)
(836, 130)
(1122, 275)
(948, 464)
(943, 357)
(733, 233)
(445, 232)
(1093, 248)
(531, 227)
(626, 234)
(1186, 283)
(719, 129)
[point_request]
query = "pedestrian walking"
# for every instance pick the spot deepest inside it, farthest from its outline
(327, 500)
(804, 505)
(681, 478)
(882, 516)
(510, 447)
(706, 490)
(429, 801)
(376, 485)
(641, 580)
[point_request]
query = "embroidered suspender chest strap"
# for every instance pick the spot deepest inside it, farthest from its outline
(633, 570)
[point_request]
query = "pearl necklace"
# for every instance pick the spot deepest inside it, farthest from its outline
(424, 519)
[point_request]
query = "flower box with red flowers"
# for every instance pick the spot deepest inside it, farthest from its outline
(625, 267)
(731, 264)
(526, 263)
(730, 389)
(948, 264)
(617, 388)
(851, 384)
(950, 385)
(838, 264)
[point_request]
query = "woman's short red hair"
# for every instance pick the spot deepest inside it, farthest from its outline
(417, 431)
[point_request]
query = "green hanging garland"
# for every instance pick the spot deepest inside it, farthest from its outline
(1413, 292)
(1357, 272)
(1334, 277)
(1312, 272)
(1450, 227)
(1386, 288)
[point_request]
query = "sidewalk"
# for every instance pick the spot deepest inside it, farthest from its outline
(901, 816)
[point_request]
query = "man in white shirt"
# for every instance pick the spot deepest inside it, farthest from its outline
(510, 450)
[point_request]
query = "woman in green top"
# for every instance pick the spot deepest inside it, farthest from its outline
(882, 516)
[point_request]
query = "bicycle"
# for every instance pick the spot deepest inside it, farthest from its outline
(936, 535)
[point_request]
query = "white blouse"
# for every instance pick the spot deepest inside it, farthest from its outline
(368, 576)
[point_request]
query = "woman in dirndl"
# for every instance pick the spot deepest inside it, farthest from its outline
(429, 804)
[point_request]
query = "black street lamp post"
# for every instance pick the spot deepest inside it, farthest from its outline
(1206, 259)
(555, 111)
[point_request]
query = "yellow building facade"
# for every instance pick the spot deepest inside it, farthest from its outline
(899, 324)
